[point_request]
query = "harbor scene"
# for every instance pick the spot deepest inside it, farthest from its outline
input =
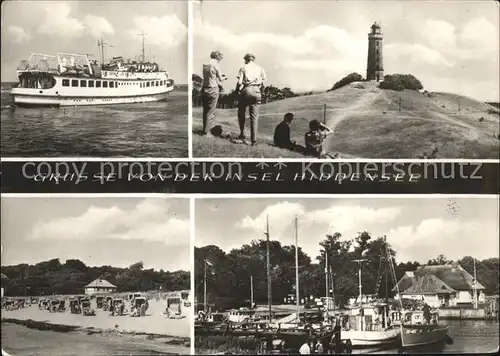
(84, 301)
(365, 294)
(103, 84)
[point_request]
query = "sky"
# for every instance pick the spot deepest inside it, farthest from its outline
(418, 229)
(50, 27)
(451, 46)
(97, 231)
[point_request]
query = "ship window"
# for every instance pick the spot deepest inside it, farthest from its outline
(91, 83)
(116, 85)
(83, 83)
(157, 83)
(98, 84)
(111, 84)
(74, 83)
(65, 82)
(148, 84)
(104, 84)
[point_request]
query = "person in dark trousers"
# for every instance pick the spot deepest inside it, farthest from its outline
(282, 133)
(212, 80)
(314, 138)
(336, 343)
(251, 78)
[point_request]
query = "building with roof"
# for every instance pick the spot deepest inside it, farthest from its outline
(441, 286)
(99, 286)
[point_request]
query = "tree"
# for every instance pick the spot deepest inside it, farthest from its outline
(440, 260)
(353, 77)
(52, 277)
(400, 82)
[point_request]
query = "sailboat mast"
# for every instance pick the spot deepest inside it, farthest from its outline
(205, 287)
(297, 269)
(251, 292)
(474, 286)
(268, 264)
(326, 277)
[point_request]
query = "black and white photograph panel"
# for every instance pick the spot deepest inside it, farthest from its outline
(94, 79)
(96, 276)
(346, 79)
(346, 275)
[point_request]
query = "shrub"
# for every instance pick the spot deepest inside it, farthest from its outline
(400, 82)
(353, 77)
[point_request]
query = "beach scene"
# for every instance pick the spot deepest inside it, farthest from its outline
(82, 302)
(346, 276)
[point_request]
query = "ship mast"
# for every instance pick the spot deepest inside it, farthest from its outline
(474, 288)
(143, 35)
(360, 288)
(101, 45)
(269, 295)
(297, 294)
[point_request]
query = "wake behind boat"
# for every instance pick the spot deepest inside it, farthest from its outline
(74, 80)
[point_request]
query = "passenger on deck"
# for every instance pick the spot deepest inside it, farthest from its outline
(282, 133)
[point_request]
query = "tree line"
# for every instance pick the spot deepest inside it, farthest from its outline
(53, 277)
(229, 100)
(398, 82)
(228, 274)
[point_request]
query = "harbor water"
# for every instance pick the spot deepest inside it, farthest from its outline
(157, 129)
(468, 336)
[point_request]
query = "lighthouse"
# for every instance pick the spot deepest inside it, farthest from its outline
(375, 63)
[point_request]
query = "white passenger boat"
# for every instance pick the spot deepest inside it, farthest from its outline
(73, 80)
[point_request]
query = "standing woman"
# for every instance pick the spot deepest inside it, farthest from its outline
(212, 79)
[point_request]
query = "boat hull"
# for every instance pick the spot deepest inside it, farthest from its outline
(27, 100)
(419, 335)
(371, 338)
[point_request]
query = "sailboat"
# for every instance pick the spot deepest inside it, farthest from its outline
(368, 323)
(418, 323)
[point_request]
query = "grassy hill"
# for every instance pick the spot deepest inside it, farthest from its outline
(369, 122)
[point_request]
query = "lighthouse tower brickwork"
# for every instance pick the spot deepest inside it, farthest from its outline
(375, 65)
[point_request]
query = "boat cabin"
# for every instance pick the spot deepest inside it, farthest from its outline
(367, 317)
(241, 315)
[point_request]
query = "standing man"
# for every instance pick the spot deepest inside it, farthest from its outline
(212, 79)
(251, 78)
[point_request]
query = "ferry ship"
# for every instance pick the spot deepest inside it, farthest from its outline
(74, 80)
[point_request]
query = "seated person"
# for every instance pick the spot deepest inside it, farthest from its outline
(282, 133)
(314, 138)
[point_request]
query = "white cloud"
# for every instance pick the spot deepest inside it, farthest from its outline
(17, 34)
(97, 26)
(414, 55)
(315, 40)
(166, 31)
(346, 219)
(452, 237)
(150, 220)
(280, 215)
(478, 38)
(58, 22)
(351, 219)
(475, 40)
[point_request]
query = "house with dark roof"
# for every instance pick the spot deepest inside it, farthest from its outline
(99, 286)
(441, 286)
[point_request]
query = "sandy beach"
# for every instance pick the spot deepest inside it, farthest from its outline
(153, 323)
(20, 340)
